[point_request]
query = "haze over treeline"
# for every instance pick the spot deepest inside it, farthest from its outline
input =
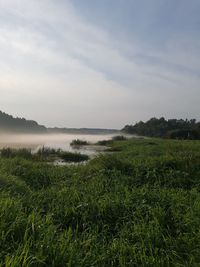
(9, 124)
(154, 127)
(19, 125)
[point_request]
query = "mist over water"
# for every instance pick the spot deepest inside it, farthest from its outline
(62, 141)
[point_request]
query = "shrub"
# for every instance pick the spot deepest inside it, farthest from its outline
(78, 142)
(73, 157)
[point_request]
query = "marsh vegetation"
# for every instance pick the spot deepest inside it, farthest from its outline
(78, 142)
(138, 206)
(44, 154)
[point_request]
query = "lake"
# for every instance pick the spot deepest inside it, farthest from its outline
(62, 141)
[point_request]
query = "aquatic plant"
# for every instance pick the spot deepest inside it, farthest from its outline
(78, 142)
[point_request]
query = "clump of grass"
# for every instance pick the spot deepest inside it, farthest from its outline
(50, 154)
(78, 142)
(73, 157)
(47, 153)
(13, 153)
(110, 141)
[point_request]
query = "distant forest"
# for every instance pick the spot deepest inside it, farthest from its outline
(173, 128)
(9, 124)
(82, 131)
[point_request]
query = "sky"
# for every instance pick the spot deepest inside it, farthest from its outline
(105, 64)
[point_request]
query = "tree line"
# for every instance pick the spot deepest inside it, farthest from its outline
(10, 124)
(172, 128)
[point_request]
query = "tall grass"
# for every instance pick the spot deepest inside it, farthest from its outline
(136, 207)
(43, 154)
(12, 153)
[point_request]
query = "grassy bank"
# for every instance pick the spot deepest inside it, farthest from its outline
(138, 206)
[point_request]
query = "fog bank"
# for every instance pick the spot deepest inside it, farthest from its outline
(34, 141)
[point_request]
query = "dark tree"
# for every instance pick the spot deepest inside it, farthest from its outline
(10, 124)
(173, 128)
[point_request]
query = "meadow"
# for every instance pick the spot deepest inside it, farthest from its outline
(136, 205)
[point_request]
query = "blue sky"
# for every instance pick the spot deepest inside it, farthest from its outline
(99, 63)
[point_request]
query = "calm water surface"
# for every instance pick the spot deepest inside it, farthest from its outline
(61, 141)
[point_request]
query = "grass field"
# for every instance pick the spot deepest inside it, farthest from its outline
(137, 206)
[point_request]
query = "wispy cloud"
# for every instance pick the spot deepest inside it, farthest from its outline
(61, 69)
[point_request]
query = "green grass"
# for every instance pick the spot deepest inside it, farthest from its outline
(137, 206)
(13, 153)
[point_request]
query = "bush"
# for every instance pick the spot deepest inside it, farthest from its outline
(78, 142)
(183, 134)
(73, 157)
